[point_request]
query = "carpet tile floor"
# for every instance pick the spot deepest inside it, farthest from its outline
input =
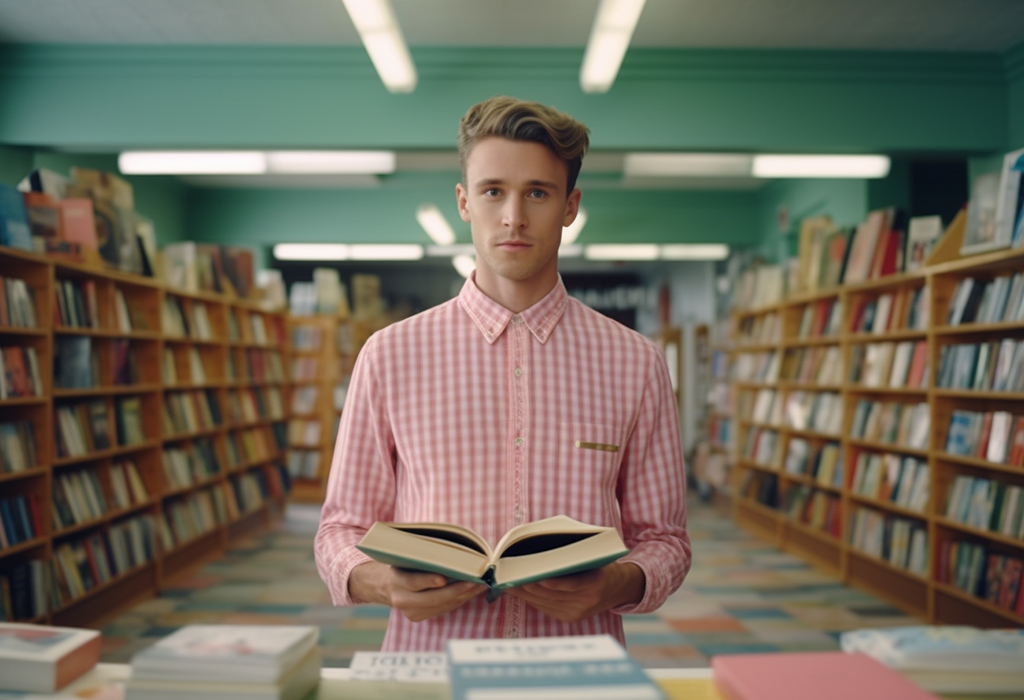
(741, 595)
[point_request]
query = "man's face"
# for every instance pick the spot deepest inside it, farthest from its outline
(514, 198)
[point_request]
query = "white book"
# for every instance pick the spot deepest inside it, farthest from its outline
(901, 363)
(44, 659)
(883, 308)
(999, 436)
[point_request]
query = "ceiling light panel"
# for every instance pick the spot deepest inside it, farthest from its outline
(687, 165)
(694, 251)
(464, 264)
(331, 162)
(614, 251)
(783, 166)
(382, 37)
(385, 251)
(311, 251)
(609, 39)
(192, 163)
(434, 223)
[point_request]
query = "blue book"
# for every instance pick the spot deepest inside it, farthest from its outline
(547, 668)
(13, 533)
(14, 228)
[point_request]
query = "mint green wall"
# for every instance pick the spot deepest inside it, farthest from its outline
(15, 163)
(236, 97)
(387, 213)
(845, 201)
(161, 199)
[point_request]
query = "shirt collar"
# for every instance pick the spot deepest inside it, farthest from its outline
(491, 318)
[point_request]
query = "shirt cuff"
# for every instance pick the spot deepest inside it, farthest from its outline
(341, 571)
(645, 603)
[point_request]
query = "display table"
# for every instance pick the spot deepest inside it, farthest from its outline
(105, 682)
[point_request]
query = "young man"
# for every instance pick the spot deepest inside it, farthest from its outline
(511, 403)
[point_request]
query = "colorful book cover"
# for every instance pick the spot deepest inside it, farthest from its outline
(594, 666)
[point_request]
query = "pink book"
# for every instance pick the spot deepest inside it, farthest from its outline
(835, 675)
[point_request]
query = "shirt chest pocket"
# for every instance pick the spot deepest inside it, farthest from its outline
(591, 452)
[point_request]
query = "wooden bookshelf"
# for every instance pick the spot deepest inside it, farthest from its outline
(123, 386)
(323, 355)
(882, 542)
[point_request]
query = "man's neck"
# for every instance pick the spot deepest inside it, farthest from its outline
(515, 296)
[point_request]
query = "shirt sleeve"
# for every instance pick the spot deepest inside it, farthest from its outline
(652, 493)
(361, 485)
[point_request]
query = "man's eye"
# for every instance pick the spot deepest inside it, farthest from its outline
(492, 192)
(538, 194)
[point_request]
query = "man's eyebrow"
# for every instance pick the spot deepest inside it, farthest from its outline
(532, 183)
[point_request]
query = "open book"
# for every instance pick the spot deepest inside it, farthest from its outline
(529, 552)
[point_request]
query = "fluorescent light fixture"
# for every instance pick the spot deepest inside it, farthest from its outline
(615, 251)
(872, 166)
(450, 251)
(609, 39)
(573, 250)
(331, 162)
(571, 232)
(694, 251)
(311, 251)
(687, 165)
(378, 28)
(464, 264)
(434, 223)
(192, 163)
(385, 251)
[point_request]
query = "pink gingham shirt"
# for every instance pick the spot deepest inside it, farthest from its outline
(469, 413)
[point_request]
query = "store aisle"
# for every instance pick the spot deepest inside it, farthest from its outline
(740, 596)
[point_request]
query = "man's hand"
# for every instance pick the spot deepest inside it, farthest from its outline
(417, 595)
(581, 596)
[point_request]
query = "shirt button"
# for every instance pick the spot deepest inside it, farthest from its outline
(517, 320)
(518, 371)
(513, 634)
(518, 441)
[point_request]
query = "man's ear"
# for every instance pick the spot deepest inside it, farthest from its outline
(572, 206)
(462, 200)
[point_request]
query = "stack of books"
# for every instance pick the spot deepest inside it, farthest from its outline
(42, 659)
(215, 662)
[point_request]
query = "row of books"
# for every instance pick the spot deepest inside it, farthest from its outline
(79, 496)
(895, 365)
(19, 520)
(986, 504)
(304, 433)
(720, 431)
(261, 366)
(763, 447)
(27, 589)
(904, 309)
(762, 367)
(177, 323)
(303, 463)
(306, 338)
(254, 445)
(87, 562)
(82, 428)
(17, 304)
(77, 305)
(901, 542)
(998, 300)
(187, 465)
(763, 487)
(903, 424)
(251, 405)
(996, 436)
(819, 411)
(19, 372)
(814, 508)
(814, 365)
(759, 330)
(17, 446)
(821, 461)
(962, 564)
(1003, 582)
(189, 412)
(193, 367)
(76, 364)
(820, 318)
(192, 516)
(994, 366)
(903, 481)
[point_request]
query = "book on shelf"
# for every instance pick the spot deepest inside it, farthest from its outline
(554, 546)
(1009, 199)
(836, 675)
(547, 667)
(867, 238)
(44, 659)
(946, 658)
(15, 231)
(923, 232)
(17, 446)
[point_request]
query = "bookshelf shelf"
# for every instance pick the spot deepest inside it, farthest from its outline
(908, 314)
(121, 321)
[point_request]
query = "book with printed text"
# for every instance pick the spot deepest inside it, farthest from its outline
(546, 548)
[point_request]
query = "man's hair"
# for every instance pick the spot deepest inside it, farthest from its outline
(517, 120)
